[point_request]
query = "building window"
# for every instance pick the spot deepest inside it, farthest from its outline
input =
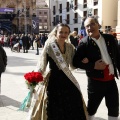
(45, 13)
(54, 11)
(68, 19)
(95, 2)
(75, 18)
(60, 6)
(45, 27)
(40, 20)
(84, 1)
(76, 4)
(45, 20)
(85, 4)
(57, 19)
(84, 13)
(67, 7)
(40, 13)
(27, 12)
(61, 19)
(40, 27)
(54, 23)
(96, 12)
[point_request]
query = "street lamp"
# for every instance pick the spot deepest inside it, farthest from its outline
(25, 25)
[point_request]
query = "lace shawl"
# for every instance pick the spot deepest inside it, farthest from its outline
(42, 62)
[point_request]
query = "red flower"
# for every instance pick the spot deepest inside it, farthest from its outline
(33, 78)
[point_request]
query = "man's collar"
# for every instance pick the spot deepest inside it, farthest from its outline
(97, 39)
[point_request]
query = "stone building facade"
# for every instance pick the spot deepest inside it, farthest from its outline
(19, 15)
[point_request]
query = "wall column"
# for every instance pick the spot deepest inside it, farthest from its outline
(118, 21)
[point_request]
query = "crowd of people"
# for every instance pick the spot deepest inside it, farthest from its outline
(97, 53)
(23, 41)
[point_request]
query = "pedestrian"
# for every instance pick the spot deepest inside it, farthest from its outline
(74, 38)
(80, 37)
(64, 98)
(42, 40)
(26, 43)
(109, 31)
(37, 40)
(103, 62)
(3, 62)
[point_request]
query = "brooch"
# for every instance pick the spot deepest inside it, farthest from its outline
(57, 54)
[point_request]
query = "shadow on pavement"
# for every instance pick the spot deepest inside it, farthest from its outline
(14, 73)
(6, 101)
(18, 61)
(98, 118)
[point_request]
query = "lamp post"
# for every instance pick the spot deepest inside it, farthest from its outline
(25, 25)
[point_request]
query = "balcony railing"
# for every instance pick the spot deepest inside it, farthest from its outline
(54, 23)
(75, 7)
(60, 10)
(75, 20)
(54, 12)
(67, 9)
(67, 21)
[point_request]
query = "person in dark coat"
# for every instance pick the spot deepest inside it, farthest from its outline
(42, 40)
(3, 62)
(103, 63)
(26, 43)
(74, 38)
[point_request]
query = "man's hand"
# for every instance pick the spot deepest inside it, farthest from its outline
(100, 65)
(85, 60)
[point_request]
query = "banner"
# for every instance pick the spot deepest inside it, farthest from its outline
(35, 25)
(7, 10)
(6, 25)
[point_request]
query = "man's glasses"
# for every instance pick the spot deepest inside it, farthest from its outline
(90, 25)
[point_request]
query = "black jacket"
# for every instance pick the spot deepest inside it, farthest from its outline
(74, 41)
(88, 48)
(3, 59)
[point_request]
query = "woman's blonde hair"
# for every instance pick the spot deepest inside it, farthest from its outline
(52, 34)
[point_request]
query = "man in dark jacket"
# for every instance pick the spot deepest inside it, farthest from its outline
(101, 69)
(3, 62)
(26, 43)
(74, 38)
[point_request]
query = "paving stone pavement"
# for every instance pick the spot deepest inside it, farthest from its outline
(13, 88)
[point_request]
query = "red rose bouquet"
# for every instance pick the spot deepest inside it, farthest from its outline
(31, 79)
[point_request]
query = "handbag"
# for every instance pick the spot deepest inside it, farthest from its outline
(38, 106)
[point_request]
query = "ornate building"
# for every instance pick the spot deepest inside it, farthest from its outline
(16, 15)
(43, 12)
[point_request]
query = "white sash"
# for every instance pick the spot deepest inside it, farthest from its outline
(63, 65)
